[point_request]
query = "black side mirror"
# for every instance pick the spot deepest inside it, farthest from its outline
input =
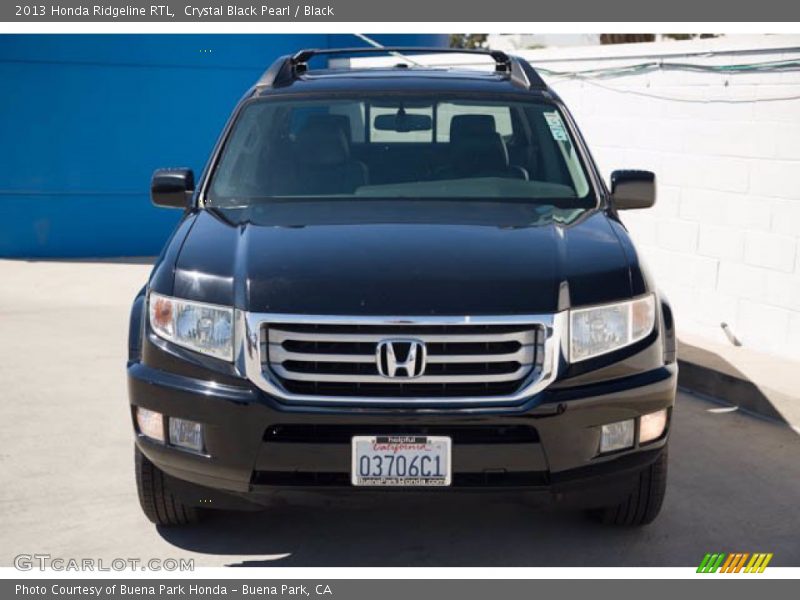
(633, 189)
(172, 188)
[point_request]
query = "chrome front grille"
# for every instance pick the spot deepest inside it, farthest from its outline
(470, 361)
(460, 360)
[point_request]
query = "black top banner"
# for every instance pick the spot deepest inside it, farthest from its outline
(406, 11)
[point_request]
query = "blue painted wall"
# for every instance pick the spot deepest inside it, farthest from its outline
(85, 119)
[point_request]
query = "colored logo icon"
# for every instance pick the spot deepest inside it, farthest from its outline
(735, 562)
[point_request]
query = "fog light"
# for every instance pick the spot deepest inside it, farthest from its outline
(652, 426)
(616, 436)
(186, 434)
(151, 423)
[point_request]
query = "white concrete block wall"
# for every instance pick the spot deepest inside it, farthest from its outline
(724, 237)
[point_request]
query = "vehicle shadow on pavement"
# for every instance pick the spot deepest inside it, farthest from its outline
(733, 484)
(451, 529)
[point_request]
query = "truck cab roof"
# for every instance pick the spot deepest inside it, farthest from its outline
(293, 74)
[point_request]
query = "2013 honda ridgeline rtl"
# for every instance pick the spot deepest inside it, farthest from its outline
(400, 278)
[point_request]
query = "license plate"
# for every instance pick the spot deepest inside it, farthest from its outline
(401, 460)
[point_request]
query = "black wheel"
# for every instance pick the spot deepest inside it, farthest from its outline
(643, 503)
(160, 505)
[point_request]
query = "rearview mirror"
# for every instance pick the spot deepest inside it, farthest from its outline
(403, 122)
(172, 188)
(633, 189)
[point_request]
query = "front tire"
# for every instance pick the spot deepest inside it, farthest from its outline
(643, 503)
(158, 503)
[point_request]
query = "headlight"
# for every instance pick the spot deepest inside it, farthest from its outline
(204, 328)
(601, 329)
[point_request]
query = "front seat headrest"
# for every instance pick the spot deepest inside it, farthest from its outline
(322, 143)
(340, 121)
(466, 126)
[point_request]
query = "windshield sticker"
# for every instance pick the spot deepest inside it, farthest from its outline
(556, 126)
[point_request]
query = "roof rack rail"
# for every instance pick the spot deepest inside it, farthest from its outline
(286, 69)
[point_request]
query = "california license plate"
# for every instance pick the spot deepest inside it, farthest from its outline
(401, 460)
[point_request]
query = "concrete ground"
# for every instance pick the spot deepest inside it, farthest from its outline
(67, 488)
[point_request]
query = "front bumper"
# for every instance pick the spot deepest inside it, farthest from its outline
(256, 446)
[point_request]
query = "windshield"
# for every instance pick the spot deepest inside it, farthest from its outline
(399, 147)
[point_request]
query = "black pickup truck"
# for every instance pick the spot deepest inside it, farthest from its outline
(395, 278)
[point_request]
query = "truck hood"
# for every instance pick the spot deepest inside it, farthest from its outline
(402, 258)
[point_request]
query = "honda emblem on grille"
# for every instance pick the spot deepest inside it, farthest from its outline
(401, 359)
